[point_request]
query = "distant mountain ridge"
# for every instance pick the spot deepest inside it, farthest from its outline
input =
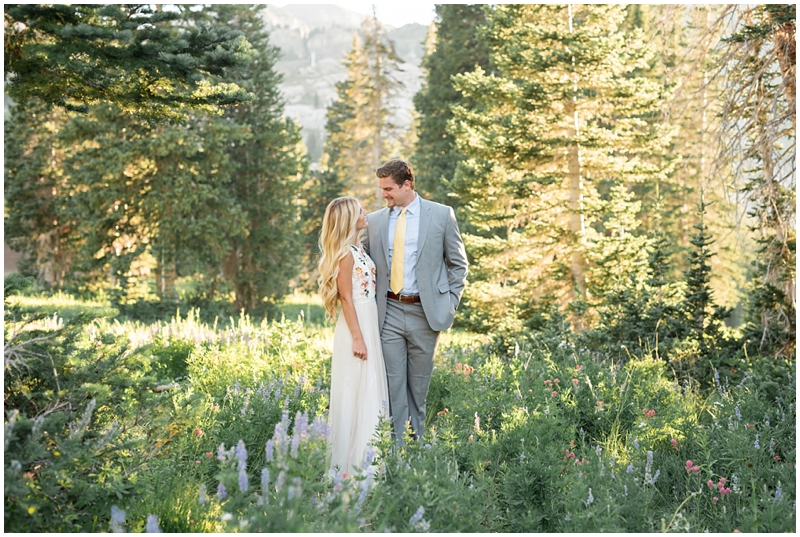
(313, 39)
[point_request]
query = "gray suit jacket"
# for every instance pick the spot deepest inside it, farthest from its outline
(441, 262)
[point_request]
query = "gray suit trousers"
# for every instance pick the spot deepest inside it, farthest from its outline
(409, 345)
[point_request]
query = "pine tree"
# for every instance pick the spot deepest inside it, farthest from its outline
(141, 60)
(213, 197)
(759, 140)
(360, 129)
(564, 122)
(33, 186)
(268, 169)
(456, 49)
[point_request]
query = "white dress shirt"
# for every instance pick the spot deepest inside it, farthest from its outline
(410, 286)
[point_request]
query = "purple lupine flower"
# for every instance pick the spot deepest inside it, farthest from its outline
(270, 450)
(222, 492)
(221, 453)
(243, 480)
(301, 424)
(370, 456)
(241, 453)
(118, 519)
(203, 498)
(629, 469)
(152, 524)
(635, 444)
(296, 390)
(416, 517)
(280, 481)
(295, 444)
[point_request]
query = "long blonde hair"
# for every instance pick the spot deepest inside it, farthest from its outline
(338, 233)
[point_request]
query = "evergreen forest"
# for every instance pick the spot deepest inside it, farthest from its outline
(624, 355)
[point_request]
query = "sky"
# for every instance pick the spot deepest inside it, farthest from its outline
(393, 13)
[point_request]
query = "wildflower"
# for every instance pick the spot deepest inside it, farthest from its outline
(477, 425)
(714, 499)
(369, 457)
(635, 444)
(778, 493)
(226, 517)
(15, 464)
(630, 468)
(117, 519)
(209, 453)
(756, 443)
(655, 476)
(723, 480)
(202, 498)
(416, 517)
(152, 524)
(689, 465)
(295, 444)
(738, 413)
(578, 367)
(264, 482)
(674, 443)
(777, 457)
(241, 453)
(198, 431)
(243, 480)
(222, 492)
(270, 450)
(31, 510)
(548, 382)
(736, 531)
(599, 403)
(575, 382)
(221, 453)
(556, 381)
(749, 425)
(197, 462)
(554, 393)
(710, 484)
(280, 481)
(590, 499)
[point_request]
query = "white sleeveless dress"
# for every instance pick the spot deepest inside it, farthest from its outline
(359, 392)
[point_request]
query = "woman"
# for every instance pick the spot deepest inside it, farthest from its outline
(359, 393)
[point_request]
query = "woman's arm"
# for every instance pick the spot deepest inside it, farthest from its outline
(344, 284)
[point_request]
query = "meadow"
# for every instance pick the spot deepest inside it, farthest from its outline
(186, 425)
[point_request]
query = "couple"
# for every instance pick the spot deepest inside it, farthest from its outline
(398, 274)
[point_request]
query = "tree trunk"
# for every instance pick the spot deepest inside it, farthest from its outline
(576, 219)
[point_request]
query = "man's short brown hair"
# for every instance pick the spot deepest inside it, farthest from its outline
(399, 170)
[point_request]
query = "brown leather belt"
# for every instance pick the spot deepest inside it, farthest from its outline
(403, 298)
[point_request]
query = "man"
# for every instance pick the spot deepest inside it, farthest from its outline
(421, 272)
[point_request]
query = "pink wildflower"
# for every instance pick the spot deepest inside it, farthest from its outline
(198, 432)
(710, 484)
(650, 414)
(554, 393)
(723, 480)
(695, 468)
(578, 367)
(575, 381)
(599, 403)
(715, 499)
(674, 443)
(556, 381)
(689, 464)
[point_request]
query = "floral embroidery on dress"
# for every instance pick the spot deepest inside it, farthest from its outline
(364, 274)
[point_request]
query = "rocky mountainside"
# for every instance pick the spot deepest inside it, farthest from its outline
(313, 40)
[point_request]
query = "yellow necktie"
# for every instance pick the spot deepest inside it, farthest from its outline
(399, 253)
